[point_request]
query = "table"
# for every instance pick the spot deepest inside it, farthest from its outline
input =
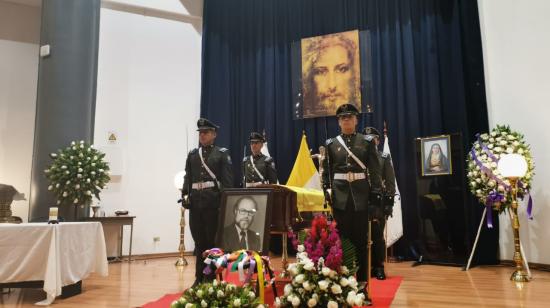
(58, 254)
(122, 220)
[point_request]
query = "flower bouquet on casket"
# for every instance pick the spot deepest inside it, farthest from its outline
(319, 278)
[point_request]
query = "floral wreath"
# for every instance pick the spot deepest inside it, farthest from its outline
(484, 179)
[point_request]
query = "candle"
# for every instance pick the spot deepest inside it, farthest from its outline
(53, 213)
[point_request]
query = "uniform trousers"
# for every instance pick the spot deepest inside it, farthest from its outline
(203, 223)
(354, 226)
(379, 242)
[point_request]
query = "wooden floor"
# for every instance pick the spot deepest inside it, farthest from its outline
(131, 285)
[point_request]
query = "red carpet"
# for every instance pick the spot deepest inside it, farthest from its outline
(383, 293)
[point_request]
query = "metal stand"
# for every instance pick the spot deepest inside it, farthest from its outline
(181, 260)
(519, 275)
(284, 261)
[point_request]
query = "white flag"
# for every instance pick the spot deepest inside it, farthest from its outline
(394, 225)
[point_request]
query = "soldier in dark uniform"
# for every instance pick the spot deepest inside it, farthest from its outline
(207, 173)
(381, 211)
(258, 168)
(353, 179)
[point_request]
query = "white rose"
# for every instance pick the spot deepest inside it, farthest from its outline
(73, 143)
(251, 295)
(307, 286)
(58, 202)
(89, 193)
(312, 302)
(527, 176)
(352, 281)
(67, 172)
(476, 145)
(93, 164)
(88, 180)
(65, 194)
(309, 266)
(95, 157)
(189, 305)
(478, 180)
(520, 151)
(509, 150)
(490, 146)
(511, 137)
(237, 302)
(350, 299)
(50, 187)
(516, 143)
(301, 248)
(80, 169)
(492, 183)
(204, 304)
(81, 146)
(359, 299)
(493, 164)
(53, 155)
(92, 173)
(210, 290)
(295, 301)
(503, 142)
(323, 285)
(491, 140)
(474, 184)
(79, 175)
(499, 139)
(299, 278)
(288, 289)
(332, 274)
(57, 185)
(75, 201)
(199, 293)
(332, 304)
(325, 271)
(63, 167)
(344, 282)
(74, 148)
(220, 294)
(493, 134)
(336, 289)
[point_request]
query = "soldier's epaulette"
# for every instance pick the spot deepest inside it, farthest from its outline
(329, 141)
(369, 138)
(194, 151)
(269, 159)
(223, 150)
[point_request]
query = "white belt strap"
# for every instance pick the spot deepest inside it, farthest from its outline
(203, 185)
(350, 176)
(256, 169)
(357, 160)
(206, 167)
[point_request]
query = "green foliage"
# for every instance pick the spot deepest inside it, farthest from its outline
(77, 173)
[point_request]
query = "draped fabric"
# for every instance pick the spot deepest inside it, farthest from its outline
(427, 71)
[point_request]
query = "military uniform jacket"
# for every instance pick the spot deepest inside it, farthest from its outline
(219, 161)
(264, 164)
(341, 162)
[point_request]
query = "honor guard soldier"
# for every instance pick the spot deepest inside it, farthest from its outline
(258, 168)
(207, 172)
(352, 174)
(381, 211)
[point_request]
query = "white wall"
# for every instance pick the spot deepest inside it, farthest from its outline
(148, 93)
(516, 49)
(19, 37)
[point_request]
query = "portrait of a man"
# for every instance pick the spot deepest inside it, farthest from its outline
(244, 222)
(436, 158)
(330, 73)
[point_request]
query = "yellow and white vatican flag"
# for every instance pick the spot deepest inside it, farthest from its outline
(304, 174)
(394, 225)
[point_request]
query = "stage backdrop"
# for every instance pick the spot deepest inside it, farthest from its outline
(427, 73)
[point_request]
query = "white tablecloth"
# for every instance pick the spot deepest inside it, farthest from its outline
(59, 254)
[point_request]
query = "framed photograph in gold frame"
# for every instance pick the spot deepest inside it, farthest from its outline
(436, 155)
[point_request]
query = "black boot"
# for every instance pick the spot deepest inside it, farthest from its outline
(378, 272)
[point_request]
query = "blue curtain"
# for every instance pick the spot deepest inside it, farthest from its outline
(427, 79)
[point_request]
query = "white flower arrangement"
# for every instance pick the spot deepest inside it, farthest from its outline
(77, 173)
(319, 286)
(485, 181)
(218, 294)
